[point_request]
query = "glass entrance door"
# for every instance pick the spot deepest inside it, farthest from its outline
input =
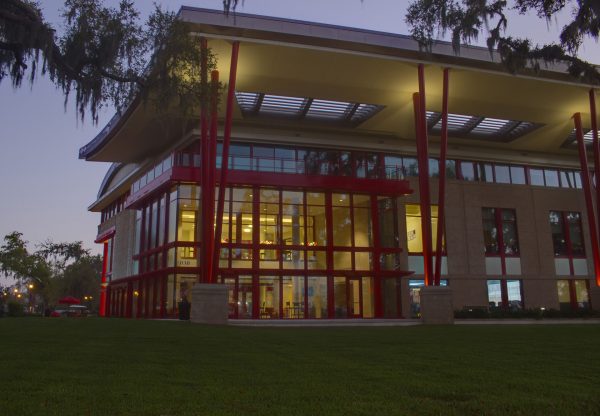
(354, 298)
(239, 296)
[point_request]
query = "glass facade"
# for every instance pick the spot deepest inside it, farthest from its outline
(316, 251)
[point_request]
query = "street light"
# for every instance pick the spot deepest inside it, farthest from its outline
(30, 286)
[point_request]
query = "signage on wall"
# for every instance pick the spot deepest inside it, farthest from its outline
(186, 263)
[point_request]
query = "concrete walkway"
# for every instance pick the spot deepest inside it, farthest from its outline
(295, 323)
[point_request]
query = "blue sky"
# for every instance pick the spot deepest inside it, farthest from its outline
(46, 189)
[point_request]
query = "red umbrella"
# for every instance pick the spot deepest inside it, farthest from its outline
(69, 300)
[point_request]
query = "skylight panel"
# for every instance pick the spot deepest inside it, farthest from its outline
(247, 100)
(317, 109)
(491, 126)
(476, 127)
(280, 104)
(328, 109)
(588, 137)
(364, 111)
(456, 122)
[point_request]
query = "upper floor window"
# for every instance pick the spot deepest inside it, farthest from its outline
(414, 236)
(567, 234)
(500, 232)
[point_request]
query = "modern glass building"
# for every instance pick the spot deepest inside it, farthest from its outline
(322, 210)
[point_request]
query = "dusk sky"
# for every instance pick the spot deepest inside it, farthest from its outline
(45, 188)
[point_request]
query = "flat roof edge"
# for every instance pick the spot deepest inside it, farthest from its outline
(276, 29)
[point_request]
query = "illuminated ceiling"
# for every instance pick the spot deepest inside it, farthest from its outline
(340, 69)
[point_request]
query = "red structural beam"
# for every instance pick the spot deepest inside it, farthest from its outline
(212, 168)
(587, 191)
(103, 284)
(442, 184)
(204, 164)
(423, 163)
(225, 155)
(596, 146)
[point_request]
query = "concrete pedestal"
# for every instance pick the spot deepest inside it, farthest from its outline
(209, 304)
(594, 296)
(436, 305)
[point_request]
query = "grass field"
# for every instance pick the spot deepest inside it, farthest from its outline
(121, 367)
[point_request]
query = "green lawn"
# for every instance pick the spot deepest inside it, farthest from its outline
(121, 367)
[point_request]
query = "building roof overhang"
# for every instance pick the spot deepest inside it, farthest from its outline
(294, 58)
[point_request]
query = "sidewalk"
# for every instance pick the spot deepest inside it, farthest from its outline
(400, 322)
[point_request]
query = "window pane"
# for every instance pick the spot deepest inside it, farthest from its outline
(551, 177)
(342, 260)
(293, 218)
(575, 233)
(451, 169)
(316, 227)
(434, 168)
(502, 174)
(511, 242)
(269, 297)
(581, 294)
(317, 297)
(558, 237)
(563, 291)
(244, 299)
(362, 260)
(340, 297)
(293, 297)
(490, 232)
(362, 221)
(393, 167)
(517, 175)
(368, 299)
(467, 171)
(494, 293)
(410, 166)
(293, 259)
(486, 172)
(388, 230)
(536, 177)
(342, 221)
(514, 294)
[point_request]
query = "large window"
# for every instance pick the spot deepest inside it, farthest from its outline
(414, 235)
(500, 232)
(506, 294)
(573, 294)
(567, 241)
(567, 235)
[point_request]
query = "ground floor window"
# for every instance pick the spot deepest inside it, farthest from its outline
(506, 294)
(300, 297)
(573, 294)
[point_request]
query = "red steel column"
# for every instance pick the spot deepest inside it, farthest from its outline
(225, 154)
(103, 284)
(204, 146)
(596, 146)
(587, 190)
(442, 184)
(423, 163)
(210, 185)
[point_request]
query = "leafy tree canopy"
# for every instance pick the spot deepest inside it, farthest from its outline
(467, 20)
(103, 54)
(55, 269)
